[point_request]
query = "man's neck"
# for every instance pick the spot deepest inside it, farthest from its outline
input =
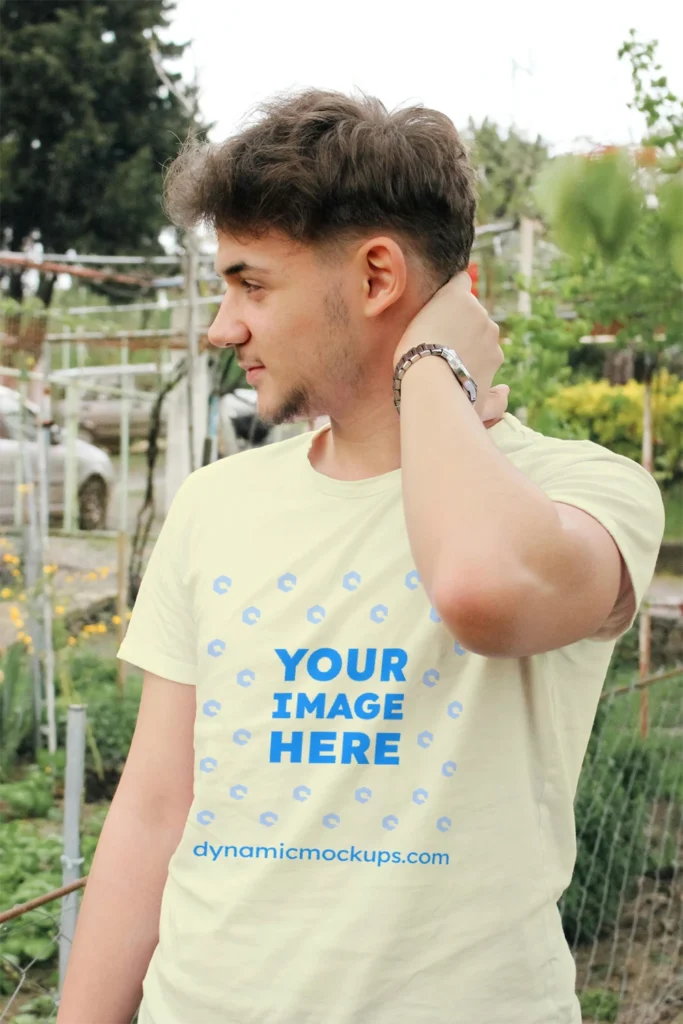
(365, 444)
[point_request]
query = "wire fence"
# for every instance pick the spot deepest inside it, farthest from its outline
(622, 915)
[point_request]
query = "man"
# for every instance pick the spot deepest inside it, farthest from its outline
(373, 652)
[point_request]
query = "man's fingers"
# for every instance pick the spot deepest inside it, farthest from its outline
(495, 405)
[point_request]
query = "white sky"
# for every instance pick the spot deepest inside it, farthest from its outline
(459, 61)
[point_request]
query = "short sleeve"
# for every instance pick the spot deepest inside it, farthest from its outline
(625, 499)
(161, 635)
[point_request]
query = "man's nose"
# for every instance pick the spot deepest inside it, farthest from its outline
(227, 329)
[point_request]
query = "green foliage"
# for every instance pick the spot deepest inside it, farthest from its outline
(507, 167)
(29, 797)
(662, 109)
(537, 352)
(613, 417)
(600, 1004)
(16, 706)
(593, 203)
(87, 124)
(609, 852)
(111, 714)
(30, 866)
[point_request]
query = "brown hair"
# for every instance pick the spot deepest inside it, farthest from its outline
(322, 166)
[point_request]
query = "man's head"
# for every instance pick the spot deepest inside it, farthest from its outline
(336, 221)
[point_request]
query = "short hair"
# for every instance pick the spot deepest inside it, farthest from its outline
(321, 167)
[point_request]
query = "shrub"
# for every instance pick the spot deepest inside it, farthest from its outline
(609, 853)
(111, 716)
(613, 417)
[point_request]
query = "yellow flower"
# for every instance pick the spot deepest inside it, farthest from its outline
(69, 579)
(116, 620)
(59, 609)
(22, 597)
(27, 639)
(5, 592)
(8, 558)
(71, 641)
(102, 627)
(25, 488)
(15, 572)
(20, 635)
(91, 576)
(48, 769)
(104, 572)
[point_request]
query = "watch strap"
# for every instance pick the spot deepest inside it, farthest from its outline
(452, 358)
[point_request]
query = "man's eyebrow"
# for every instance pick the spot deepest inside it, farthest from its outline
(240, 268)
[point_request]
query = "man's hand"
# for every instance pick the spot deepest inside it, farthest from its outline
(453, 317)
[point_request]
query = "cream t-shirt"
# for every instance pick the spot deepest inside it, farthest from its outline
(382, 821)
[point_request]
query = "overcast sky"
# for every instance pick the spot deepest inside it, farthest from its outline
(570, 88)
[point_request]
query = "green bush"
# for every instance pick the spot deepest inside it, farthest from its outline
(16, 707)
(613, 417)
(609, 853)
(30, 866)
(28, 797)
(111, 716)
(600, 1004)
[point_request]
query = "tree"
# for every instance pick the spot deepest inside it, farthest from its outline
(87, 126)
(617, 215)
(507, 168)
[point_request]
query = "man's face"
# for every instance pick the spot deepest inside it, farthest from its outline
(285, 310)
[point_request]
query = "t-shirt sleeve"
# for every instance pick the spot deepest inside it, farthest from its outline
(161, 635)
(625, 499)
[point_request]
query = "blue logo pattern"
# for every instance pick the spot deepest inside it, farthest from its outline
(351, 581)
(315, 615)
(222, 584)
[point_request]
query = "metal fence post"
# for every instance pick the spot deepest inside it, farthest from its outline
(71, 858)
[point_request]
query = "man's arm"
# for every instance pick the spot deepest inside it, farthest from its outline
(510, 571)
(118, 921)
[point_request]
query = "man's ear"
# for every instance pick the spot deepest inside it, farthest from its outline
(383, 272)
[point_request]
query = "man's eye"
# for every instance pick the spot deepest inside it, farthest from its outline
(248, 286)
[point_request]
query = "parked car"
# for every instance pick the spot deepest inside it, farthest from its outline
(100, 415)
(95, 472)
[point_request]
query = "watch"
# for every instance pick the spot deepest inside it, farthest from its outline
(452, 358)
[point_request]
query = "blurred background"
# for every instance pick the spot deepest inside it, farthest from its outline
(109, 395)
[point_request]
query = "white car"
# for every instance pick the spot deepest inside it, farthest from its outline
(95, 472)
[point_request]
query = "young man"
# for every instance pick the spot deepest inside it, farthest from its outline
(373, 652)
